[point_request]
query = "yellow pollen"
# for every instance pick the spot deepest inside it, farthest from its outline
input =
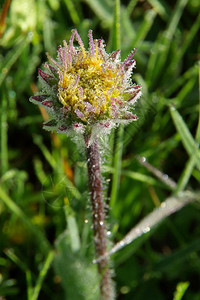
(90, 80)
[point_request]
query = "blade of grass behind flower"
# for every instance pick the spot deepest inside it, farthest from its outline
(160, 8)
(22, 265)
(29, 284)
(72, 227)
(198, 126)
(48, 34)
(40, 237)
(116, 43)
(12, 256)
(146, 25)
(3, 134)
(70, 188)
(190, 35)
(188, 142)
(193, 71)
(144, 178)
(131, 6)
(162, 45)
(48, 156)
(72, 11)
(101, 9)
(186, 89)
(42, 274)
(11, 58)
(186, 174)
(118, 143)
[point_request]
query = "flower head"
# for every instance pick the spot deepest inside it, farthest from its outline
(86, 89)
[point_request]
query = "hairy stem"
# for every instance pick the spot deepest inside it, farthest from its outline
(98, 218)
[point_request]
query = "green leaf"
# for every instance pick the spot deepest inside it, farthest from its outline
(78, 275)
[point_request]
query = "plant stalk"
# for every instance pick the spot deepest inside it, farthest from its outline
(98, 218)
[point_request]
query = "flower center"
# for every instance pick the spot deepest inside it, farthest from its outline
(90, 85)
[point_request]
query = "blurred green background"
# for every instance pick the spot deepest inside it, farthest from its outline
(46, 245)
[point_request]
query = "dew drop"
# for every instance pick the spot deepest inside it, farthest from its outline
(165, 176)
(108, 233)
(163, 205)
(125, 289)
(101, 223)
(147, 229)
(143, 159)
(122, 243)
(86, 221)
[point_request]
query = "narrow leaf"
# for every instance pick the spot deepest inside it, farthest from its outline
(188, 142)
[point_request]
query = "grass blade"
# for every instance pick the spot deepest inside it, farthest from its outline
(29, 284)
(116, 27)
(187, 42)
(162, 45)
(11, 58)
(120, 131)
(198, 126)
(3, 135)
(42, 241)
(144, 27)
(188, 142)
(131, 6)
(42, 275)
(101, 9)
(73, 12)
(191, 72)
(159, 8)
(186, 174)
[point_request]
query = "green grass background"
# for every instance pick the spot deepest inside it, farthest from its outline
(46, 245)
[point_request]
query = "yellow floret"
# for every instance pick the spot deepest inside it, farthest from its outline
(95, 81)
